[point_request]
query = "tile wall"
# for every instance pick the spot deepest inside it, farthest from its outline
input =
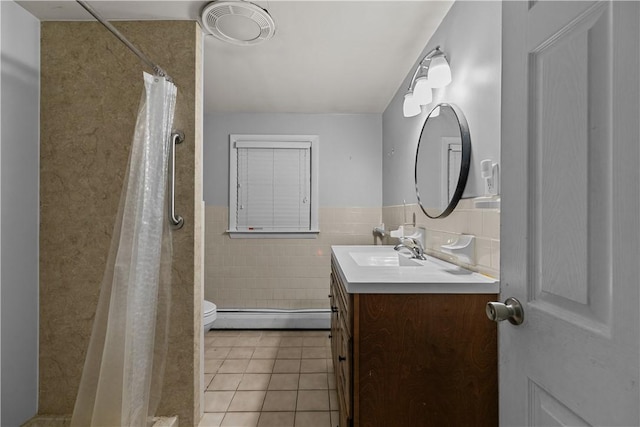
(294, 273)
(279, 273)
(482, 223)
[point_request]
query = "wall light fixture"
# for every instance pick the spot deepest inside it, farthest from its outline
(432, 72)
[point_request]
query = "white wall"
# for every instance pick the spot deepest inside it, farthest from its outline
(0, 217)
(350, 153)
(470, 35)
(19, 169)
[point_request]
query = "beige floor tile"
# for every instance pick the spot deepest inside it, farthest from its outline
(313, 419)
(246, 341)
(330, 367)
(313, 382)
(335, 418)
(276, 372)
(241, 353)
(286, 332)
(260, 366)
(313, 365)
(316, 342)
(275, 333)
(241, 419)
(333, 400)
(291, 342)
(250, 333)
(254, 382)
(265, 353)
(224, 341)
(332, 381)
(247, 401)
(315, 352)
(286, 366)
(319, 333)
(276, 419)
(221, 333)
(313, 400)
(207, 380)
(225, 382)
(217, 352)
(233, 366)
(269, 341)
(212, 366)
(294, 333)
(217, 401)
(211, 419)
(280, 400)
(284, 382)
(289, 353)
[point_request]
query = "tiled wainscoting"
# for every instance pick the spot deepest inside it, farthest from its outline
(294, 273)
(279, 273)
(269, 379)
(482, 223)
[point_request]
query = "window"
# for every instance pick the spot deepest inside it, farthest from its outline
(273, 186)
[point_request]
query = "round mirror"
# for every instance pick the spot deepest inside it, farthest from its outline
(443, 157)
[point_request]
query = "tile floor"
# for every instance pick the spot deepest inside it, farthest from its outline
(269, 379)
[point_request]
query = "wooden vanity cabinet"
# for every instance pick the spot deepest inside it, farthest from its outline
(411, 360)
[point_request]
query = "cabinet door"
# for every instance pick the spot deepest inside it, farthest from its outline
(425, 360)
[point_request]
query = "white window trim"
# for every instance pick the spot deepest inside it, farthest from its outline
(273, 141)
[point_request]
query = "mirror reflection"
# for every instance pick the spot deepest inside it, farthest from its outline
(442, 160)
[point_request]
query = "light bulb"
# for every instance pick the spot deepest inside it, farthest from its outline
(410, 107)
(439, 72)
(422, 91)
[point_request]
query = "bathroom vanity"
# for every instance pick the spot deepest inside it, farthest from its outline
(410, 340)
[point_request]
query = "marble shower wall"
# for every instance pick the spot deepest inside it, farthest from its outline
(91, 87)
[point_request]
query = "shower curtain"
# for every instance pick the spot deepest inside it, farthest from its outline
(122, 376)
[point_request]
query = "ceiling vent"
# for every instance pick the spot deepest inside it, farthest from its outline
(238, 22)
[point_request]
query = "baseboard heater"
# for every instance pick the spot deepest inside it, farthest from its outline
(241, 318)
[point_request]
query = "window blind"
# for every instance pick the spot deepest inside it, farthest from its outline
(273, 187)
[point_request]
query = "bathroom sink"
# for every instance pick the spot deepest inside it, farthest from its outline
(376, 259)
(381, 269)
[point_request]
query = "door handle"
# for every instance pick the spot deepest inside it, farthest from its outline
(511, 310)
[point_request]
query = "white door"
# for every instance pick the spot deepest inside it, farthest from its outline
(571, 213)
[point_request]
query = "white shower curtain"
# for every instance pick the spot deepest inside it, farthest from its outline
(122, 377)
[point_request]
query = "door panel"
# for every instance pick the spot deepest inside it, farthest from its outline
(570, 224)
(570, 171)
(545, 410)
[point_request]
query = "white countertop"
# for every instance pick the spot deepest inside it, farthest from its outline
(370, 269)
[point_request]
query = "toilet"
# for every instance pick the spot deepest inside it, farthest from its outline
(209, 314)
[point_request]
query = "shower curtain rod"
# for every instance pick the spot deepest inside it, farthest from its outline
(156, 69)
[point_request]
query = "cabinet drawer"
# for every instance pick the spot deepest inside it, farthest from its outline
(342, 298)
(345, 368)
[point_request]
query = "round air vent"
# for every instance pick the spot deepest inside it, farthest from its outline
(238, 22)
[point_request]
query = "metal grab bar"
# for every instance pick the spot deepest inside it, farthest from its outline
(177, 136)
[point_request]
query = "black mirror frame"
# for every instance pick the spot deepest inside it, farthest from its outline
(465, 138)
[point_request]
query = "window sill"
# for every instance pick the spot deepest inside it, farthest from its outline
(259, 234)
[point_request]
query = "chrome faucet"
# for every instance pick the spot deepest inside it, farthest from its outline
(413, 245)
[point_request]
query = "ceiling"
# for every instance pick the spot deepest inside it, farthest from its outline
(326, 56)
